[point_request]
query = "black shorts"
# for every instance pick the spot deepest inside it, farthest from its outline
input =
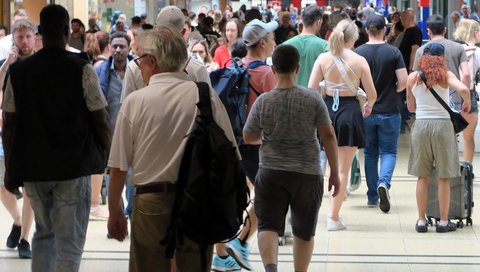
(250, 154)
(276, 191)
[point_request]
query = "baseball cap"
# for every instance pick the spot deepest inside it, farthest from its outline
(375, 23)
(120, 20)
(256, 30)
(434, 49)
(171, 15)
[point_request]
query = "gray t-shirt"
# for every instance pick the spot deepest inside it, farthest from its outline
(288, 119)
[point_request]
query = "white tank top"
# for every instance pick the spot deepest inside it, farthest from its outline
(428, 106)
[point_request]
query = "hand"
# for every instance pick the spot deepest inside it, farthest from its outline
(466, 106)
(117, 225)
(367, 110)
(334, 181)
(12, 55)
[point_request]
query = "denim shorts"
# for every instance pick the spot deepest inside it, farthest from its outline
(473, 103)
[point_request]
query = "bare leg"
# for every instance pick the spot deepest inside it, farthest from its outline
(268, 247)
(444, 197)
(250, 226)
(9, 200)
(302, 253)
(345, 158)
(221, 249)
(96, 212)
(96, 188)
(469, 136)
(422, 196)
(27, 215)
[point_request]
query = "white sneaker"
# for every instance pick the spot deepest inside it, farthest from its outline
(98, 214)
(333, 225)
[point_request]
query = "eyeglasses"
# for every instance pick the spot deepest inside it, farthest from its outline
(137, 60)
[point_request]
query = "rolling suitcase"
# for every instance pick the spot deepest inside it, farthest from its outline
(461, 197)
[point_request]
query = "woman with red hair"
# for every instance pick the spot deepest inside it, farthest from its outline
(432, 139)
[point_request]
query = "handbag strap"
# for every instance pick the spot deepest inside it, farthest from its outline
(341, 68)
(434, 93)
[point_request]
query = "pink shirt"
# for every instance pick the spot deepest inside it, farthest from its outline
(261, 78)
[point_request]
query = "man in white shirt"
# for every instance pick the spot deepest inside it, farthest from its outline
(7, 41)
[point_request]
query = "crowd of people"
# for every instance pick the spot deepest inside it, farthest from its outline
(132, 97)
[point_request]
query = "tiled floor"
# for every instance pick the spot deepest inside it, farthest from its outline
(373, 241)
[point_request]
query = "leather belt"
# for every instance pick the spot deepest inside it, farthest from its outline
(165, 187)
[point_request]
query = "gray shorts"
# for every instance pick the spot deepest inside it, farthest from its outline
(473, 103)
(276, 191)
(433, 145)
(2, 171)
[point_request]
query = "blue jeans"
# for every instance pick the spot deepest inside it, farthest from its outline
(61, 211)
(382, 135)
(130, 191)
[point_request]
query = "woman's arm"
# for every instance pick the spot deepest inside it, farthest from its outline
(317, 75)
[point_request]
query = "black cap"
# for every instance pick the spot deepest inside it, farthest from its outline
(375, 23)
(434, 49)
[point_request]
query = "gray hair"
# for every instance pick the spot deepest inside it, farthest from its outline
(167, 46)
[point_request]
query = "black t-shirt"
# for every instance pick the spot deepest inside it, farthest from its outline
(412, 36)
(383, 60)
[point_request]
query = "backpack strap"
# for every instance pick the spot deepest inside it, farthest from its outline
(204, 104)
(253, 65)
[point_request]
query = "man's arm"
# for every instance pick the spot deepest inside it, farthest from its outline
(412, 56)
(329, 141)
(402, 76)
(117, 223)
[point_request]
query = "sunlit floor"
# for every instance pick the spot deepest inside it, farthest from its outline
(373, 241)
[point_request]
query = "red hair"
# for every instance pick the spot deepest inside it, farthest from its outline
(434, 68)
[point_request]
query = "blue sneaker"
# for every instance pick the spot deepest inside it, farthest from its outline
(240, 253)
(227, 264)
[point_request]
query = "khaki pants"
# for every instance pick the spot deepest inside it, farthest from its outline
(150, 221)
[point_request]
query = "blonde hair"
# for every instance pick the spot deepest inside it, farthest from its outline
(345, 31)
(466, 30)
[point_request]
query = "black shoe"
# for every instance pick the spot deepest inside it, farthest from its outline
(24, 251)
(421, 228)
(14, 237)
(384, 198)
(450, 226)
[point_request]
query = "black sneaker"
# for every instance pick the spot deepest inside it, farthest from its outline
(450, 226)
(24, 251)
(14, 237)
(421, 228)
(18, 194)
(384, 198)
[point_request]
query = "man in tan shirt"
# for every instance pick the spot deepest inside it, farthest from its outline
(150, 139)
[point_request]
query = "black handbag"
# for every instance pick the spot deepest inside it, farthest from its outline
(459, 123)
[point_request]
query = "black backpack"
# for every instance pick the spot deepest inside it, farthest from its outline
(212, 190)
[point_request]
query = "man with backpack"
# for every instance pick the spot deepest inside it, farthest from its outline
(150, 139)
(260, 42)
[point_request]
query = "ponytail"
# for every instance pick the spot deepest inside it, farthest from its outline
(344, 32)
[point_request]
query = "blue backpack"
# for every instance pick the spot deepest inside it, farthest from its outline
(232, 85)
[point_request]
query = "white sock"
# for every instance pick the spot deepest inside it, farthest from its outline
(443, 222)
(422, 222)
